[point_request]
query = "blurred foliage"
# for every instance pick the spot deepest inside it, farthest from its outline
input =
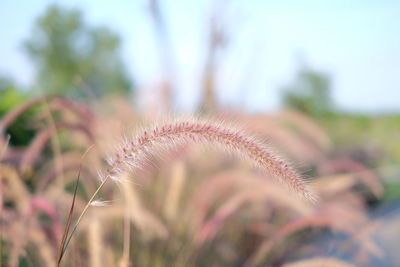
(352, 131)
(373, 140)
(20, 131)
(74, 59)
(309, 93)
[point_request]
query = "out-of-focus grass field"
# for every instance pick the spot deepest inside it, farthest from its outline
(195, 206)
(192, 205)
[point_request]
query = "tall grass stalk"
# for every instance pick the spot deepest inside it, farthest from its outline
(135, 152)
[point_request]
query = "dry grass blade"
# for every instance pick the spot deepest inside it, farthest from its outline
(69, 220)
(64, 240)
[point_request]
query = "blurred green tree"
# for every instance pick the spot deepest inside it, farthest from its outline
(309, 93)
(74, 59)
(21, 130)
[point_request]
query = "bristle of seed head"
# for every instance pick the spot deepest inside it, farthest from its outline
(134, 152)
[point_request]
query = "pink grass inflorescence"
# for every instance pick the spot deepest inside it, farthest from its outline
(134, 152)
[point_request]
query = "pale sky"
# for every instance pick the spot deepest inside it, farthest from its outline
(356, 41)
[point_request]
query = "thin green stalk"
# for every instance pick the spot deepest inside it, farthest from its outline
(84, 212)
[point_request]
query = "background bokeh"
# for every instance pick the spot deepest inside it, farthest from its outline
(318, 81)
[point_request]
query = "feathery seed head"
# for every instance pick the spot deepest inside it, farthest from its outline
(134, 152)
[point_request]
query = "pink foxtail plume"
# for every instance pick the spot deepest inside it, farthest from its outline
(134, 152)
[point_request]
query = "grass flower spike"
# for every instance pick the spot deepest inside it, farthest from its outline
(136, 151)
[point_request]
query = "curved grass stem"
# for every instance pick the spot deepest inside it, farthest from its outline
(81, 216)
